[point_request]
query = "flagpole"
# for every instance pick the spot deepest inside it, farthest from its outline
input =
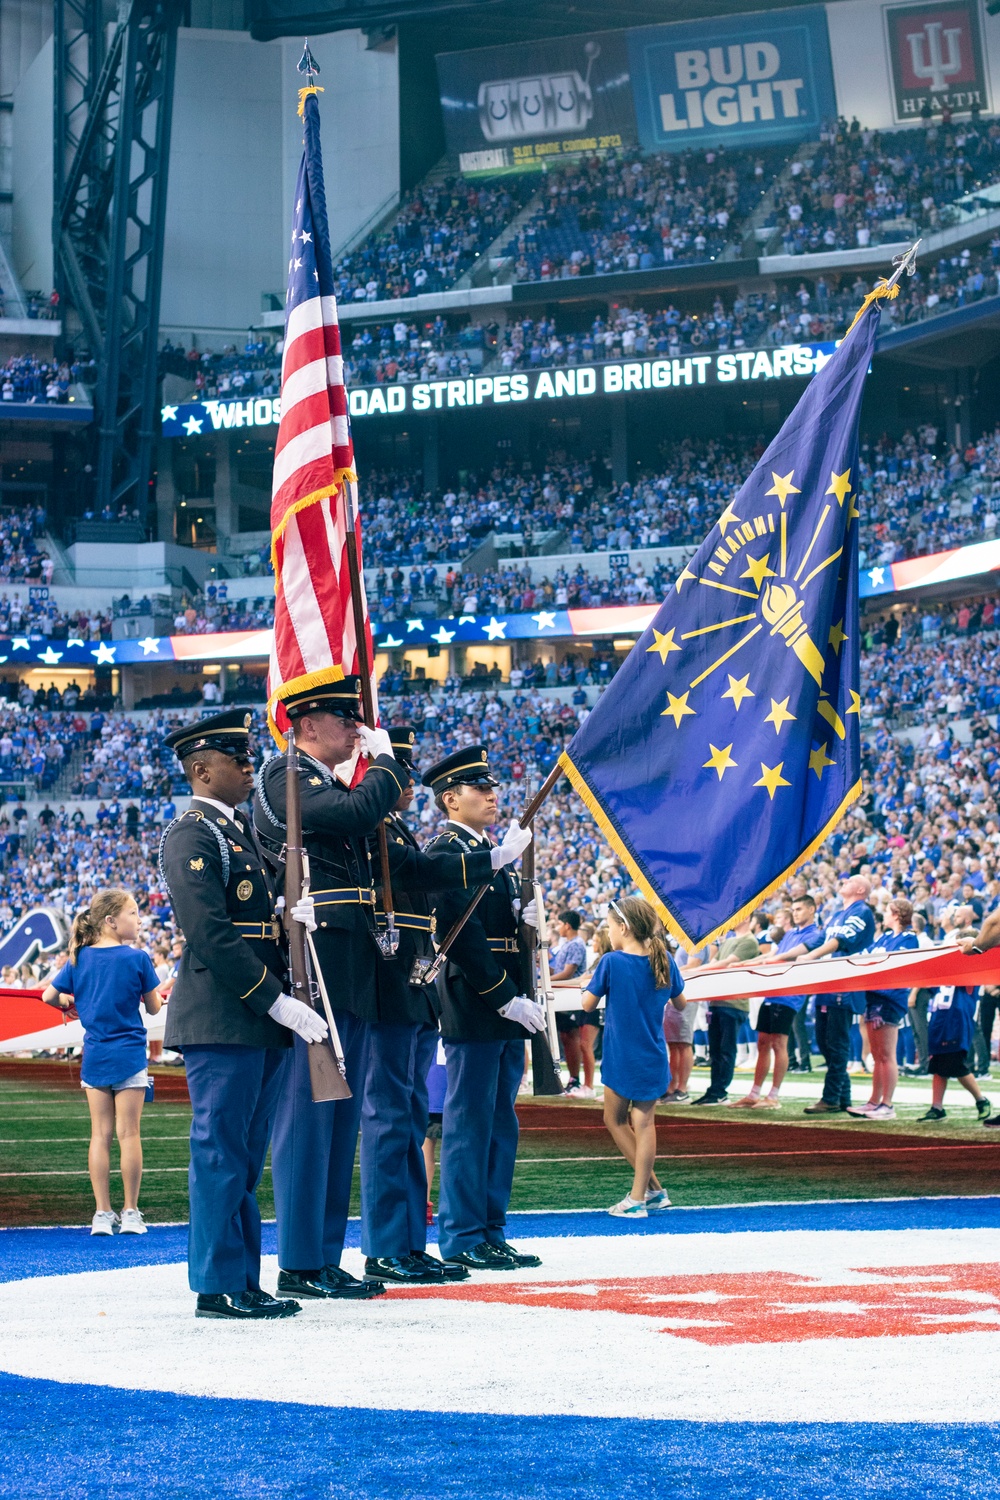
(388, 941)
(888, 287)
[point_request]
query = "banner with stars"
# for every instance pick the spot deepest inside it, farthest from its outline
(728, 747)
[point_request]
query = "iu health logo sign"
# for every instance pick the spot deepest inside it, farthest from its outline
(732, 81)
(937, 58)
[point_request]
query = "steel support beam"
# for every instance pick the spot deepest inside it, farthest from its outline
(114, 94)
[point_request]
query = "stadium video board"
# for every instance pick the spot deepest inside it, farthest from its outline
(733, 81)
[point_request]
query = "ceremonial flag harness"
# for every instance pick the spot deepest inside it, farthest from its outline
(314, 489)
(727, 747)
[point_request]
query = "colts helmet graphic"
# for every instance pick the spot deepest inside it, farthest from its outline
(545, 104)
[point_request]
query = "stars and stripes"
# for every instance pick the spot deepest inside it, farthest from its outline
(314, 486)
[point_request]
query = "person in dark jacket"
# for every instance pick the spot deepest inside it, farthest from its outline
(313, 1149)
(227, 1014)
(485, 1021)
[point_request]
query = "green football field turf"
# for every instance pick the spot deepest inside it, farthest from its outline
(565, 1159)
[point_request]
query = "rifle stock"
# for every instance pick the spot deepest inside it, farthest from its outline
(326, 1071)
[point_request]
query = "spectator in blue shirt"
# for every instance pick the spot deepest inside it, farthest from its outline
(851, 931)
(777, 1012)
(577, 1033)
(884, 1010)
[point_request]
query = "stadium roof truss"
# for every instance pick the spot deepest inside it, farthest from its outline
(112, 104)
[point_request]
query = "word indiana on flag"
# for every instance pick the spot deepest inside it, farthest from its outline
(314, 487)
(728, 745)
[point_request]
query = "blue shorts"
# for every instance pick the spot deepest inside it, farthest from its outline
(883, 1010)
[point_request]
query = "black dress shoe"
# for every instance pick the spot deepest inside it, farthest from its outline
(281, 1307)
(522, 1261)
(482, 1257)
(330, 1282)
(401, 1270)
(450, 1273)
(236, 1305)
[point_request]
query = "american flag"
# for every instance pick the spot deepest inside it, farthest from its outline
(314, 488)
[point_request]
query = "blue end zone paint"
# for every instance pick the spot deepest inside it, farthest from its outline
(189, 1447)
(54, 1252)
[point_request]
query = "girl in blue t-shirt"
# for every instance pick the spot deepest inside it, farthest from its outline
(636, 979)
(104, 983)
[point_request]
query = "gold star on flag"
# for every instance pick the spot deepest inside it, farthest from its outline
(738, 689)
(855, 707)
(771, 777)
(819, 760)
(840, 485)
(783, 486)
(837, 636)
(719, 760)
(779, 715)
(664, 644)
(728, 518)
(676, 708)
(757, 569)
(683, 577)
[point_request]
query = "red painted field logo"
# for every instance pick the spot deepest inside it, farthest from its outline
(772, 1307)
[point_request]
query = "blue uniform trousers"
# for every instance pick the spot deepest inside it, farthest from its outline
(393, 1126)
(312, 1155)
(478, 1142)
(834, 1019)
(234, 1092)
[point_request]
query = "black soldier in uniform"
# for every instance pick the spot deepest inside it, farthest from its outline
(227, 1013)
(485, 1022)
(313, 1147)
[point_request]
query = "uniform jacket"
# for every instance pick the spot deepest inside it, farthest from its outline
(337, 824)
(480, 975)
(227, 980)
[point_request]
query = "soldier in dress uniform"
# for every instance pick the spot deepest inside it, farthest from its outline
(313, 1148)
(227, 1013)
(402, 1043)
(485, 1021)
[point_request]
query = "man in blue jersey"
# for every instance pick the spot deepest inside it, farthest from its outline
(777, 1012)
(851, 931)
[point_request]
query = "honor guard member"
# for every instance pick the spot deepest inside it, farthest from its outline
(485, 1022)
(312, 1153)
(402, 1042)
(227, 1013)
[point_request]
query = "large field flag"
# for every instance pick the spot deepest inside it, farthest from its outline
(728, 745)
(314, 492)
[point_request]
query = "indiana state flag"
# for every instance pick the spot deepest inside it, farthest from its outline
(727, 747)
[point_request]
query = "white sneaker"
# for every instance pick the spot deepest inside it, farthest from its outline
(629, 1209)
(132, 1222)
(657, 1203)
(574, 1090)
(586, 1092)
(882, 1112)
(861, 1111)
(104, 1221)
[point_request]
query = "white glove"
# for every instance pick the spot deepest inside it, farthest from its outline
(374, 741)
(529, 914)
(304, 911)
(299, 1017)
(516, 840)
(527, 1013)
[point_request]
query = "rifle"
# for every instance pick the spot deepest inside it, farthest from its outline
(425, 971)
(327, 1071)
(537, 983)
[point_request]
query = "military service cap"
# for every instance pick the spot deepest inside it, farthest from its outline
(467, 767)
(341, 698)
(402, 738)
(228, 732)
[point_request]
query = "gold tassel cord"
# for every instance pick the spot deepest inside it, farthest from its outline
(884, 289)
(310, 88)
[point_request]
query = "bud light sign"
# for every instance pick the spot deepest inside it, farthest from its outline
(733, 81)
(937, 58)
